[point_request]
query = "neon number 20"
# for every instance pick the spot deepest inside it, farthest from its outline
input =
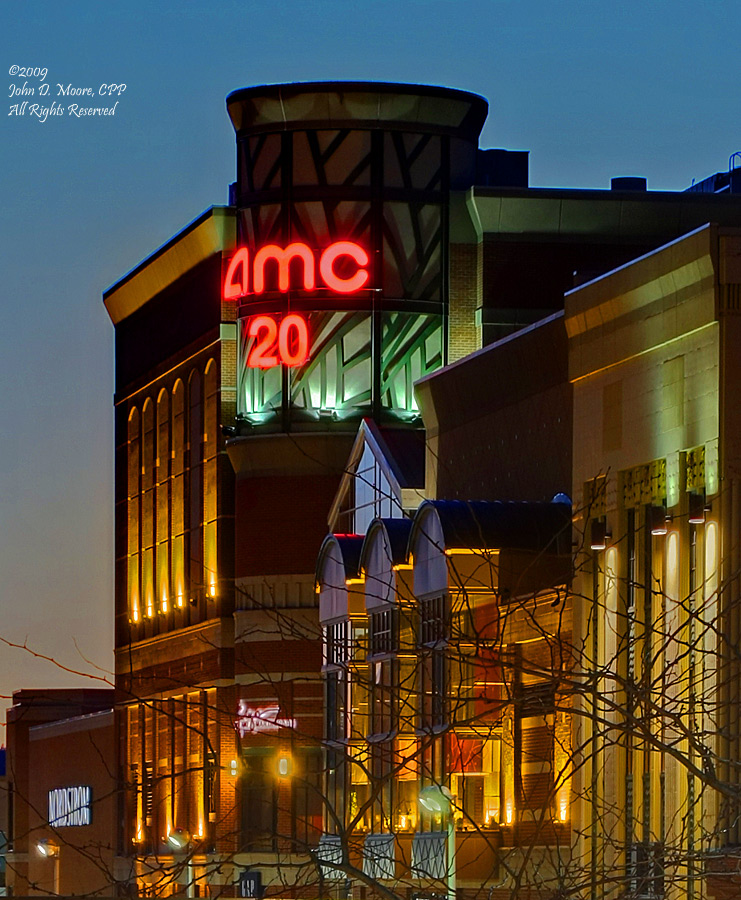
(258, 357)
(292, 338)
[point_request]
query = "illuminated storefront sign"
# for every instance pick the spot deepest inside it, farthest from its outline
(70, 806)
(284, 341)
(287, 344)
(261, 720)
(351, 257)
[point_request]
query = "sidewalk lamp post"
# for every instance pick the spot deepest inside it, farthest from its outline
(437, 800)
(50, 850)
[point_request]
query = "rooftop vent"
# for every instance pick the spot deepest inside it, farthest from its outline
(628, 183)
(502, 168)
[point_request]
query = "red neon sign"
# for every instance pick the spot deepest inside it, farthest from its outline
(292, 343)
(239, 274)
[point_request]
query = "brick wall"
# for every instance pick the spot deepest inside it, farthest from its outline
(464, 336)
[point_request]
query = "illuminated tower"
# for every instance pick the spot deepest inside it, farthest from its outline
(372, 166)
(341, 286)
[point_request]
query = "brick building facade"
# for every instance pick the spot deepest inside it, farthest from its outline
(226, 471)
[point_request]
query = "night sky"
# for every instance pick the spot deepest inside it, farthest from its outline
(593, 89)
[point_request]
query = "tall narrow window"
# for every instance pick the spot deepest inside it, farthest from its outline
(195, 487)
(135, 772)
(177, 520)
(148, 475)
(134, 529)
(259, 801)
(179, 707)
(433, 711)
(307, 798)
(534, 732)
(384, 629)
(149, 752)
(210, 458)
(195, 761)
(163, 785)
(163, 501)
(433, 635)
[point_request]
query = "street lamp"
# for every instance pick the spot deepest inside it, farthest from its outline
(50, 850)
(437, 800)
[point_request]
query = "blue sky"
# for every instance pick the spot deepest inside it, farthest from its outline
(593, 90)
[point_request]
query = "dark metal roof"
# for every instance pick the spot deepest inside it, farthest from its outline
(398, 531)
(350, 545)
(496, 525)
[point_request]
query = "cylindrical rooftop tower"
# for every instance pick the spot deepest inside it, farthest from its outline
(343, 195)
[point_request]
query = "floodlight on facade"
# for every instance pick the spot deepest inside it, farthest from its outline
(47, 848)
(178, 838)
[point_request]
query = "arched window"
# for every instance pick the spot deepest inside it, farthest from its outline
(210, 455)
(195, 484)
(163, 501)
(134, 499)
(177, 519)
(148, 476)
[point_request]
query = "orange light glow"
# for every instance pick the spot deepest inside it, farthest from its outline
(331, 279)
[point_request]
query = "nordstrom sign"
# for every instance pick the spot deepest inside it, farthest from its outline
(70, 806)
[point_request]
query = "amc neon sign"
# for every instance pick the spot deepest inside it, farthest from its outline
(240, 275)
(287, 343)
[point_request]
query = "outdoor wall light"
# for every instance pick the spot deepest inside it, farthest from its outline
(658, 520)
(47, 848)
(599, 535)
(697, 509)
(178, 838)
(284, 766)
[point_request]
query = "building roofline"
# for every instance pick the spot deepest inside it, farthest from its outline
(85, 722)
(489, 348)
(364, 104)
(211, 232)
